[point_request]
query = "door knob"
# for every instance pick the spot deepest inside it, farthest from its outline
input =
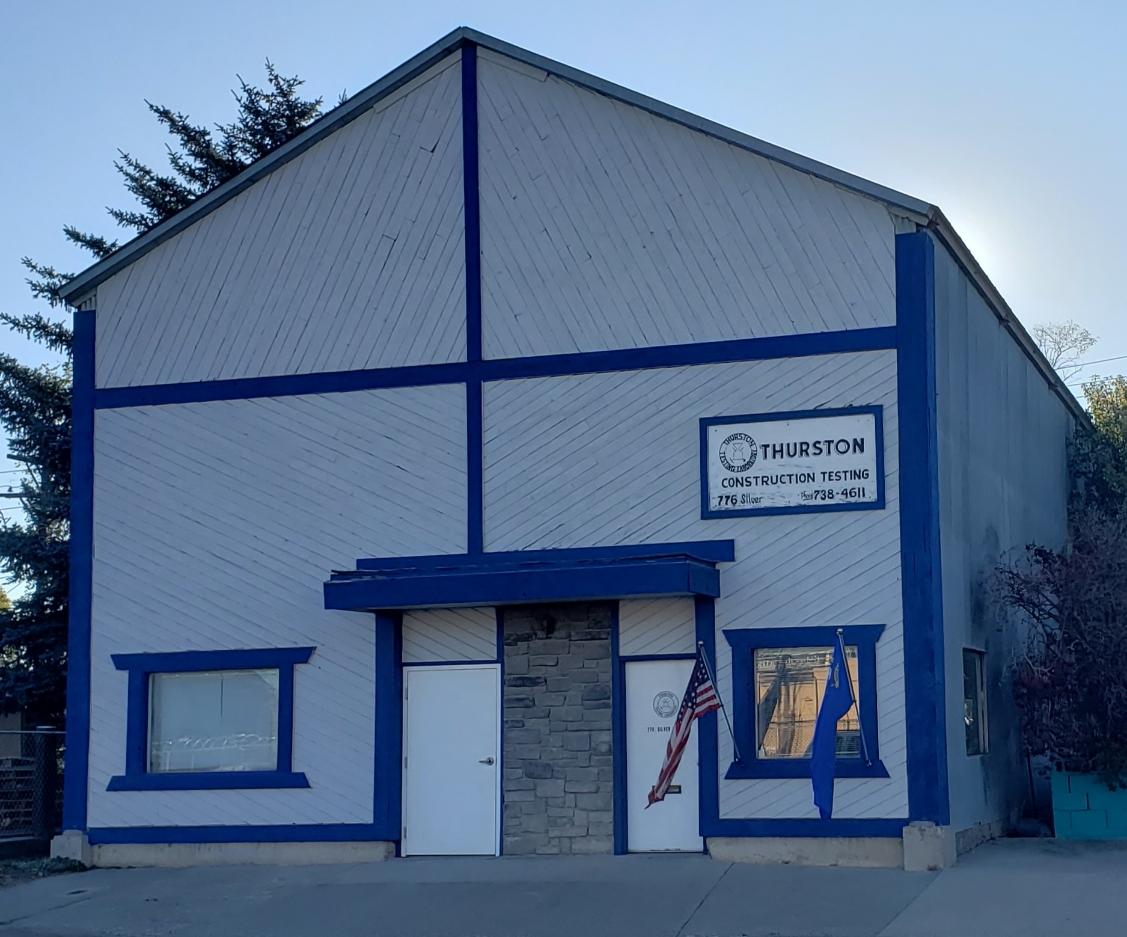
(485, 761)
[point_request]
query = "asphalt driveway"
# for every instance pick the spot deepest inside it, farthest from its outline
(1019, 888)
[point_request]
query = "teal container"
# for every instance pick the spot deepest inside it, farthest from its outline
(1085, 808)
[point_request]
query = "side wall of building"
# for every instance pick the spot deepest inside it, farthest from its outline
(1003, 483)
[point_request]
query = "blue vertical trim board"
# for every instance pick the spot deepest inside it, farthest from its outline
(928, 797)
(618, 737)
(704, 611)
(475, 536)
(81, 558)
(501, 728)
(387, 780)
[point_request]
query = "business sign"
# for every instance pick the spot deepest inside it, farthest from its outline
(786, 463)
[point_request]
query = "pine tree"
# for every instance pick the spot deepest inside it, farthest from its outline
(35, 401)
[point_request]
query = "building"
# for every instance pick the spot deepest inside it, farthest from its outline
(413, 465)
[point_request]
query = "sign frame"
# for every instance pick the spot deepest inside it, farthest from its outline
(875, 410)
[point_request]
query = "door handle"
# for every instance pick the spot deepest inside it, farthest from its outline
(485, 761)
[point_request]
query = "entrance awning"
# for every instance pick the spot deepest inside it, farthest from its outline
(618, 572)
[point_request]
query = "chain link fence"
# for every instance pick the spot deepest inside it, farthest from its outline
(30, 783)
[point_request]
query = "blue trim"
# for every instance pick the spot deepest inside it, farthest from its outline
(196, 661)
(387, 783)
(877, 412)
(891, 828)
(208, 781)
(81, 558)
(634, 658)
(500, 615)
(141, 666)
(520, 584)
(458, 662)
(704, 614)
(472, 205)
(285, 833)
(618, 738)
(745, 641)
(711, 551)
(471, 215)
(592, 362)
(924, 682)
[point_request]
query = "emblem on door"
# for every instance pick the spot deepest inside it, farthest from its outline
(665, 704)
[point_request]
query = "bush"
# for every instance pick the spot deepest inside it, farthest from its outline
(1070, 673)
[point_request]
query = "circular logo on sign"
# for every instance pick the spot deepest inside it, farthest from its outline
(665, 704)
(738, 452)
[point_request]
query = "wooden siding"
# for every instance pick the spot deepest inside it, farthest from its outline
(216, 525)
(1003, 483)
(613, 458)
(656, 626)
(604, 226)
(450, 634)
(350, 256)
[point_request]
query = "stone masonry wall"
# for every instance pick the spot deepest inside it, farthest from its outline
(557, 740)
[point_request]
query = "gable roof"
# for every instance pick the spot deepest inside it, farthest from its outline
(921, 212)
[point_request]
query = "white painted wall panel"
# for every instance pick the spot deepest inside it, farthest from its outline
(656, 626)
(613, 458)
(604, 226)
(215, 527)
(349, 256)
(1003, 476)
(450, 634)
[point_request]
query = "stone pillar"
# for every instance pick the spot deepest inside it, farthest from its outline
(557, 736)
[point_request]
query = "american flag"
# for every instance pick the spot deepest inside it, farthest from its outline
(699, 698)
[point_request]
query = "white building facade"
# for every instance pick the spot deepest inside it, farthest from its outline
(413, 466)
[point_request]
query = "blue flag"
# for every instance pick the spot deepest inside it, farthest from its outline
(823, 750)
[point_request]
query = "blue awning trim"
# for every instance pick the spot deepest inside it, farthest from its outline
(534, 576)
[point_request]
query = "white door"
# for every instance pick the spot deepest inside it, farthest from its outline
(452, 760)
(653, 696)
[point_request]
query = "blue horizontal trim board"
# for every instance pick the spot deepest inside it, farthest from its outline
(195, 661)
(285, 833)
(885, 828)
(522, 583)
(672, 356)
(630, 359)
(208, 781)
(712, 551)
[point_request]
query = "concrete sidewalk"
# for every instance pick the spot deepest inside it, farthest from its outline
(1020, 888)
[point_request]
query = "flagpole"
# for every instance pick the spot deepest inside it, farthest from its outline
(853, 693)
(719, 698)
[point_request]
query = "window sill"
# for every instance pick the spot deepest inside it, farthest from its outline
(207, 781)
(800, 768)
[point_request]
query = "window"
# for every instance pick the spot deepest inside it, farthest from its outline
(789, 683)
(219, 720)
(974, 701)
(778, 677)
(210, 719)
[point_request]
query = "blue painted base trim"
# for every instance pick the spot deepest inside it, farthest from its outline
(286, 833)
(208, 781)
(804, 828)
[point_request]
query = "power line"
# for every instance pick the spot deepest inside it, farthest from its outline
(1084, 364)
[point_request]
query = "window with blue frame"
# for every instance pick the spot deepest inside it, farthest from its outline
(778, 679)
(210, 719)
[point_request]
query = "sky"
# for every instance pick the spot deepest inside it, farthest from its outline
(1010, 116)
